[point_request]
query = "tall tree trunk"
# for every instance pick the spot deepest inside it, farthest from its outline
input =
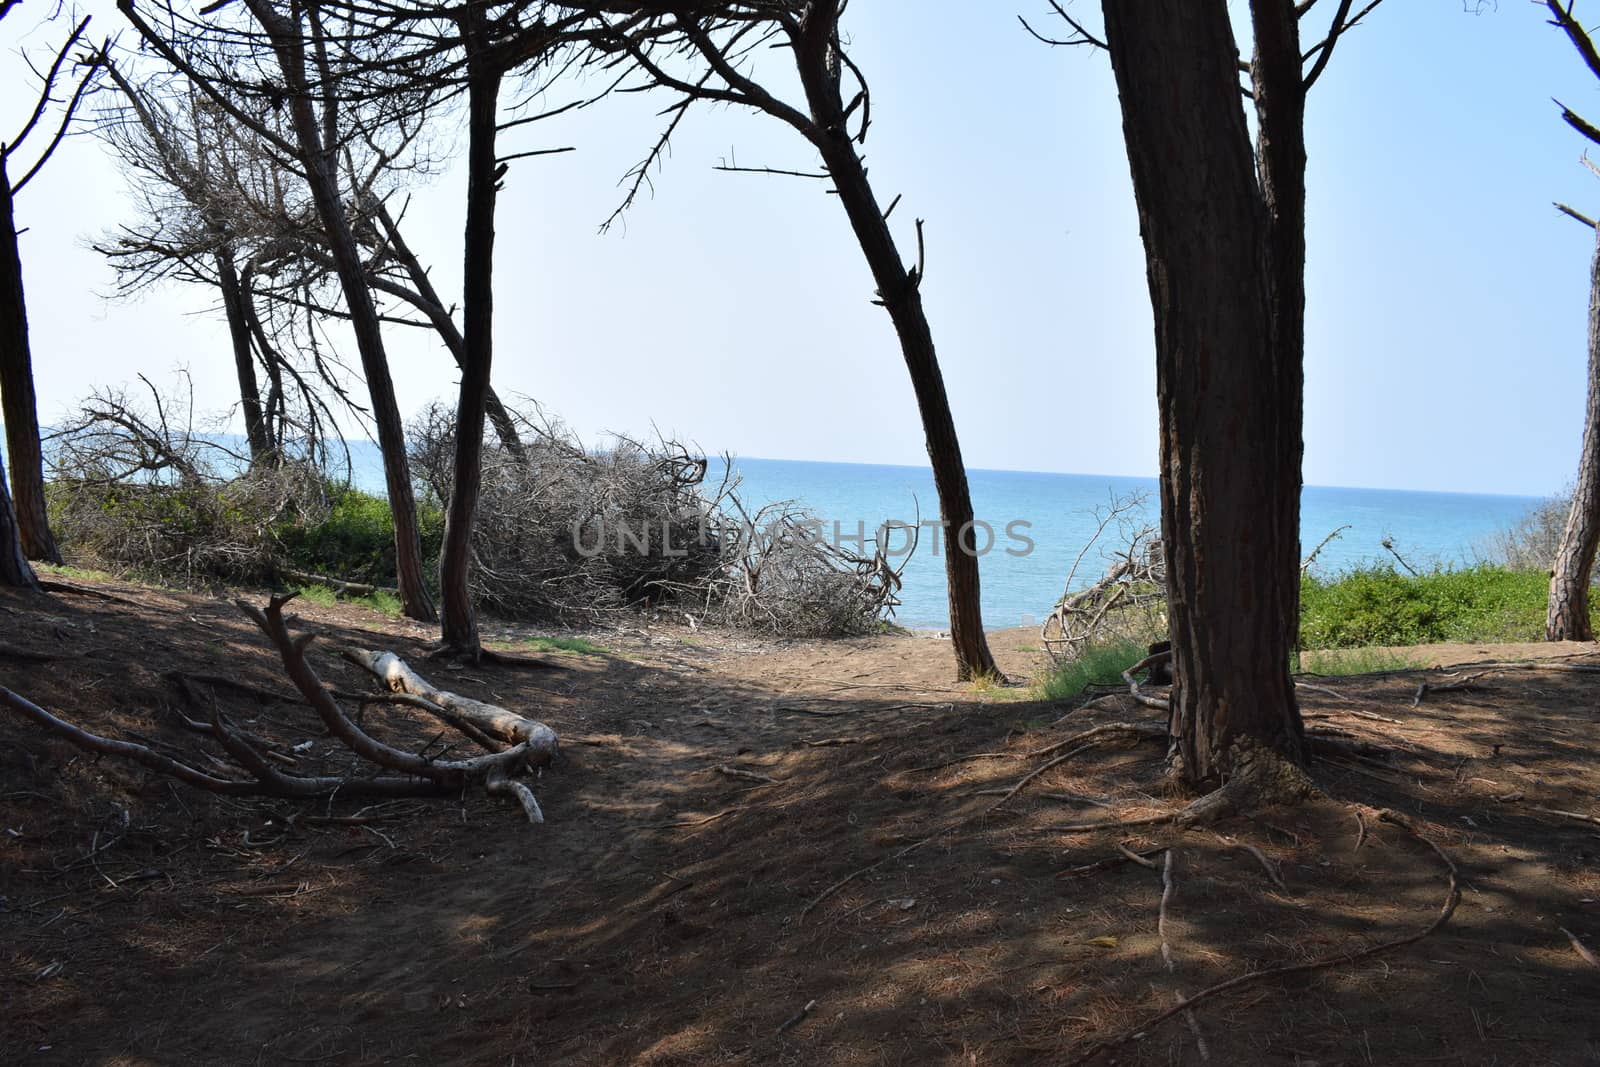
(459, 622)
(1229, 487)
(17, 399)
(900, 291)
(317, 156)
(1279, 90)
(1567, 618)
(256, 429)
(14, 569)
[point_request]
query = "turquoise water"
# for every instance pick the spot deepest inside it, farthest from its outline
(1426, 528)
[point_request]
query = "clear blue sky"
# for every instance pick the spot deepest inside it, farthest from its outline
(1447, 299)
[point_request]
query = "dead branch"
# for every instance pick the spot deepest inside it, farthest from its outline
(538, 740)
(1142, 697)
(1311, 558)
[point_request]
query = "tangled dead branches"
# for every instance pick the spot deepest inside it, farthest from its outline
(1132, 588)
(254, 765)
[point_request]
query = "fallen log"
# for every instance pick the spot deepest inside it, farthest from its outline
(470, 715)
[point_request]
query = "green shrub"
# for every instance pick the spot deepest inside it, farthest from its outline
(1379, 606)
(190, 531)
(1098, 664)
(354, 540)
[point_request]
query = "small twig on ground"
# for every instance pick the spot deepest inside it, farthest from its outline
(970, 757)
(797, 1018)
(1261, 858)
(1361, 829)
(853, 875)
(689, 823)
(1580, 948)
(1578, 815)
(1135, 857)
(735, 772)
(1125, 856)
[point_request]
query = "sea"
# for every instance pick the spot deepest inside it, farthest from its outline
(1041, 522)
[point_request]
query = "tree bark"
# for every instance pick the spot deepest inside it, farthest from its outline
(31, 524)
(900, 292)
(14, 568)
(1279, 89)
(1567, 617)
(459, 622)
(317, 156)
(1229, 478)
(256, 429)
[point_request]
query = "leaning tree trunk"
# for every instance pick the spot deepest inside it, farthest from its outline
(256, 429)
(459, 622)
(900, 292)
(14, 569)
(1567, 618)
(317, 156)
(1229, 485)
(426, 299)
(31, 524)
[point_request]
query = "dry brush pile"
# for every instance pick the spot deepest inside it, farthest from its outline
(580, 535)
(565, 533)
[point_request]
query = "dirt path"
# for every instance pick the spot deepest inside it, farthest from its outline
(667, 913)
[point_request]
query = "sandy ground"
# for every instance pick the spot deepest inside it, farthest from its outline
(669, 912)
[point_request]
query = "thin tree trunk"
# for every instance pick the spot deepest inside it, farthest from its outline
(430, 304)
(459, 622)
(256, 430)
(901, 294)
(1229, 479)
(32, 524)
(14, 569)
(317, 156)
(1568, 617)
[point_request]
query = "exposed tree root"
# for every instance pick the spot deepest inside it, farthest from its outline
(1261, 778)
(1168, 884)
(1451, 899)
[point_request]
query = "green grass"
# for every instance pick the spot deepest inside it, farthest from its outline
(320, 595)
(575, 645)
(383, 602)
(355, 542)
(1379, 606)
(1098, 664)
(67, 570)
(1345, 661)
